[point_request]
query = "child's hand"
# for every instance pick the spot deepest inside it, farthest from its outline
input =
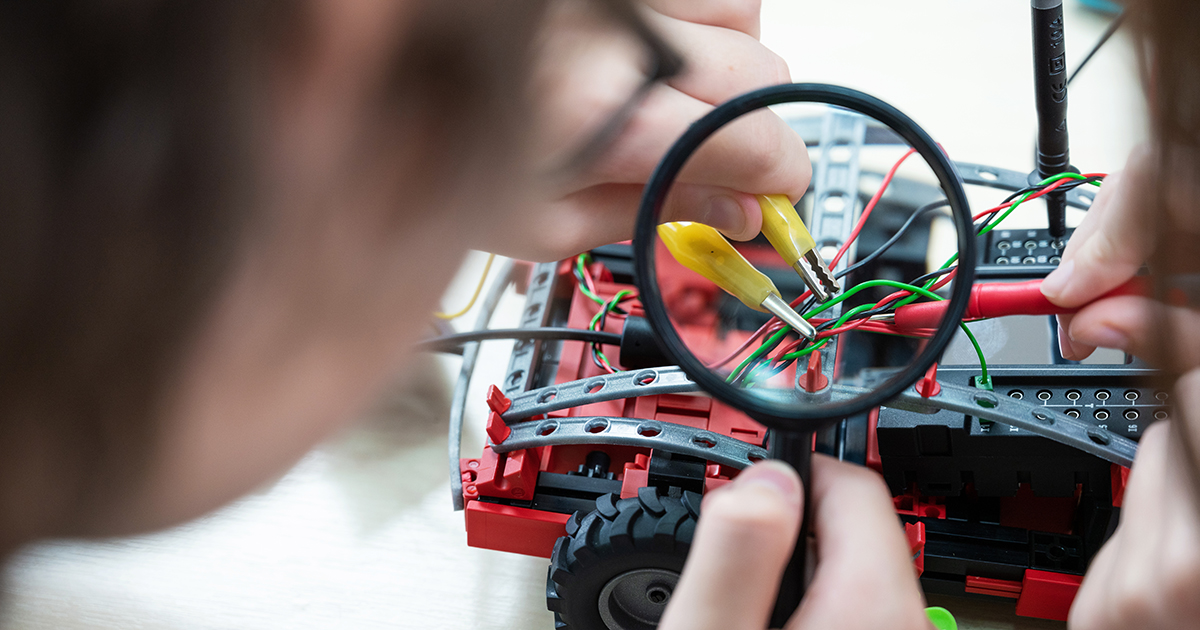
(573, 93)
(864, 573)
(1147, 576)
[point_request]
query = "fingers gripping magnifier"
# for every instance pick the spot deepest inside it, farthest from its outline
(793, 328)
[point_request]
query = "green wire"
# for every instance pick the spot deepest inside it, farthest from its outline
(917, 292)
(1025, 197)
(991, 226)
(849, 314)
(579, 263)
(607, 307)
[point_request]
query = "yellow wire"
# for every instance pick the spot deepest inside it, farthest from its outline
(478, 288)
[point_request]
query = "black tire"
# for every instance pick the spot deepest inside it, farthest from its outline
(616, 567)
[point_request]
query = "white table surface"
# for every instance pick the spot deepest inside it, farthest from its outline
(360, 533)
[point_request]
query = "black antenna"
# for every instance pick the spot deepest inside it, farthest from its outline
(1050, 92)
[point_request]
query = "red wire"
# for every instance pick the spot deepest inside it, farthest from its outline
(774, 323)
(587, 279)
(862, 220)
(950, 276)
(859, 324)
(771, 326)
(1039, 193)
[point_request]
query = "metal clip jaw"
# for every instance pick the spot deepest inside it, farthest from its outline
(817, 276)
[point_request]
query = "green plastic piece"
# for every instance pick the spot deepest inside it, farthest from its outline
(941, 618)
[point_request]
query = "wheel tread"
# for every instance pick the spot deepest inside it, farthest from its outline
(621, 531)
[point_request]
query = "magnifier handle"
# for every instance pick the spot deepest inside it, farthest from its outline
(795, 448)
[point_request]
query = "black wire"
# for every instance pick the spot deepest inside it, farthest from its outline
(882, 249)
(1108, 32)
(1071, 185)
(605, 309)
(930, 276)
(889, 305)
(1075, 183)
(879, 251)
(450, 343)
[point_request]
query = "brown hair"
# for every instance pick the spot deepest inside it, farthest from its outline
(128, 131)
(124, 168)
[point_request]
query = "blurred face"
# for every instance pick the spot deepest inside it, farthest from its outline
(370, 171)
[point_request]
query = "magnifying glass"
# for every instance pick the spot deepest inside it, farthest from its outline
(795, 328)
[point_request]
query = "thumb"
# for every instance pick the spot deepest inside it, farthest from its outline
(744, 538)
(1111, 244)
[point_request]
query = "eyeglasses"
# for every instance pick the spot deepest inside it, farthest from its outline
(661, 63)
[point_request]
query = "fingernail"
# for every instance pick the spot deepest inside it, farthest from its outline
(1104, 337)
(725, 214)
(1055, 283)
(1065, 348)
(777, 476)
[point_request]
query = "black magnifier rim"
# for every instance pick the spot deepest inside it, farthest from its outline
(645, 233)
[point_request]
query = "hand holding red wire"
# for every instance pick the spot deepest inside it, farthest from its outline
(1000, 299)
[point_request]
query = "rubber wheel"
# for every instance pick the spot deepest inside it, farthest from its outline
(617, 566)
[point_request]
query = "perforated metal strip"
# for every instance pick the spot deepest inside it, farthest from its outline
(649, 434)
(1036, 419)
(648, 382)
(967, 400)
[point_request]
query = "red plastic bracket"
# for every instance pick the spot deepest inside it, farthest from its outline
(813, 380)
(1120, 477)
(502, 475)
(496, 400)
(497, 430)
(990, 586)
(912, 503)
(637, 476)
(1047, 595)
(928, 385)
(916, 542)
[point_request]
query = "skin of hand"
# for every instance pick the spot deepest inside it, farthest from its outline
(745, 537)
(723, 58)
(1105, 251)
(366, 212)
(1147, 575)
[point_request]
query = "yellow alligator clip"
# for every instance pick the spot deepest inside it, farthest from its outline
(787, 234)
(704, 250)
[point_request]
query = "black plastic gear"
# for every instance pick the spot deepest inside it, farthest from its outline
(616, 567)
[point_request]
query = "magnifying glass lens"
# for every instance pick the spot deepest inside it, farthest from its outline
(800, 318)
